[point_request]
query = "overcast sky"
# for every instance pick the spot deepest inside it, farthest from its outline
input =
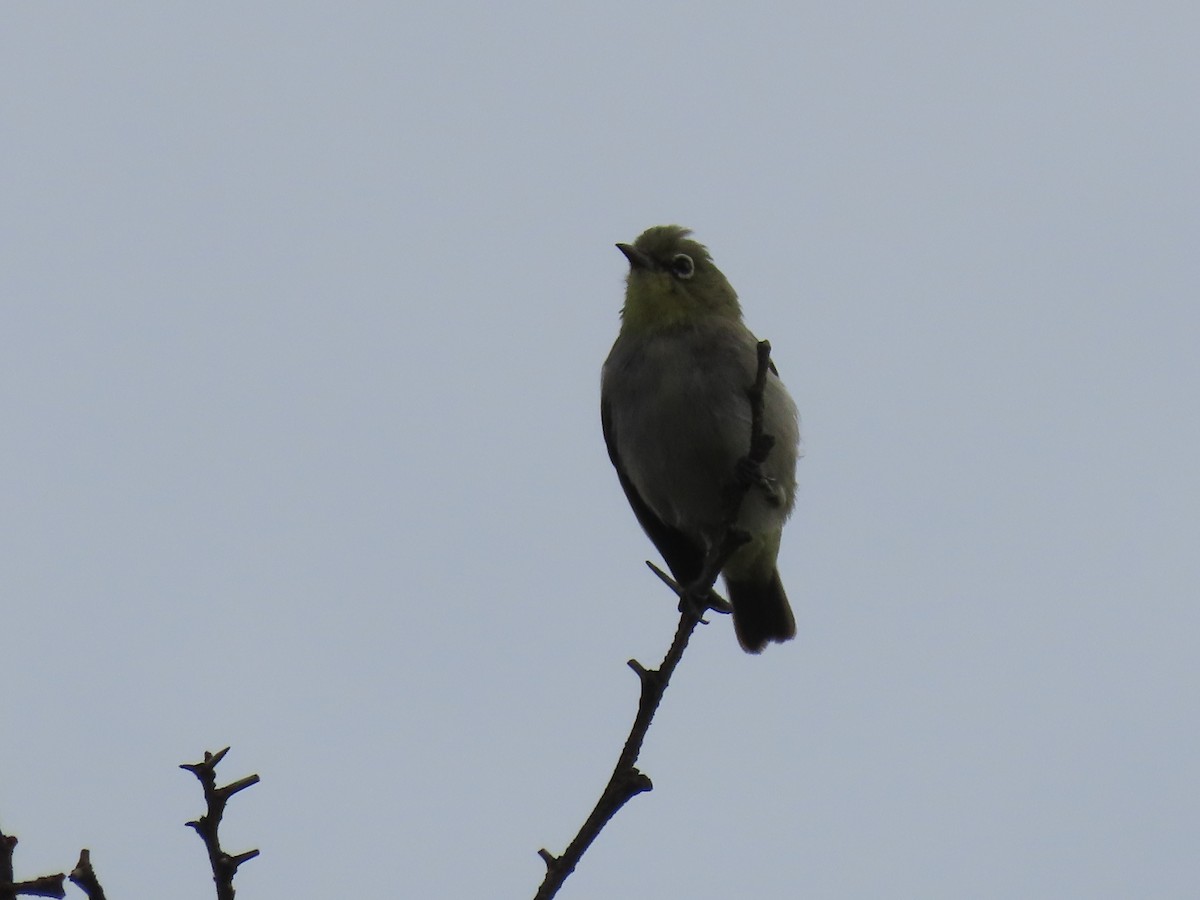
(303, 309)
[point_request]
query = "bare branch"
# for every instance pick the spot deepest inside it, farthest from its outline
(626, 781)
(46, 886)
(224, 866)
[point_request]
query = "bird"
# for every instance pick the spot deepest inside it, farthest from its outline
(676, 419)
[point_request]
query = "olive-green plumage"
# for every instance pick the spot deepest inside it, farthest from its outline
(677, 420)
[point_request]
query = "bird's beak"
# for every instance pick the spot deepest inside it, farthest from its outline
(637, 259)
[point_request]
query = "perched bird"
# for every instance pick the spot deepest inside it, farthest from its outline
(676, 419)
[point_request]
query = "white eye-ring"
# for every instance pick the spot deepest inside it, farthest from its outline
(682, 265)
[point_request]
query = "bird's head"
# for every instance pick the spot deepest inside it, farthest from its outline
(672, 281)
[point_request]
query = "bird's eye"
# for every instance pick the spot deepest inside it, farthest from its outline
(682, 265)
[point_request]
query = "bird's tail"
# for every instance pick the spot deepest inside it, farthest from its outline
(761, 612)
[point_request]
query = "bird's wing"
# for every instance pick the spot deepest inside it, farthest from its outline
(682, 555)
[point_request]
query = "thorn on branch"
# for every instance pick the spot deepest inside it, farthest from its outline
(638, 782)
(642, 672)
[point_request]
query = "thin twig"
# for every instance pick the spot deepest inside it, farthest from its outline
(627, 781)
(224, 866)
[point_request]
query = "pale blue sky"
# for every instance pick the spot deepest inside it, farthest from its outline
(303, 312)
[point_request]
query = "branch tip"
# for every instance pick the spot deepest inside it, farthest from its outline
(240, 858)
(666, 579)
(83, 876)
(230, 789)
(46, 886)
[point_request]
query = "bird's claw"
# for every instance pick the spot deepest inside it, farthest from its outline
(698, 602)
(747, 473)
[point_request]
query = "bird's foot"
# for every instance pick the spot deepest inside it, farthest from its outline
(698, 601)
(748, 474)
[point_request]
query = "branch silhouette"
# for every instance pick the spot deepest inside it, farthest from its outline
(45, 886)
(224, 865)
(83, 876)
(627, 781)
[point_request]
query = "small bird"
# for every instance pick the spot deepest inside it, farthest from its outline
(676, 419)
